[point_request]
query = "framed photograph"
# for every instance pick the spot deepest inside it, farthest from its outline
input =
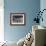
(17, 19)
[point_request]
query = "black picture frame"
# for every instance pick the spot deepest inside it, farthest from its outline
(17, 19)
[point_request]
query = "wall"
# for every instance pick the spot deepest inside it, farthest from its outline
(30, 7)
(43, 6)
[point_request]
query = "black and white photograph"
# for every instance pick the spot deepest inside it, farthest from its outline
(17, 18)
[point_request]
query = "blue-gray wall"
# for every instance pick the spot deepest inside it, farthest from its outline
(30, 7)
(43, 6)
